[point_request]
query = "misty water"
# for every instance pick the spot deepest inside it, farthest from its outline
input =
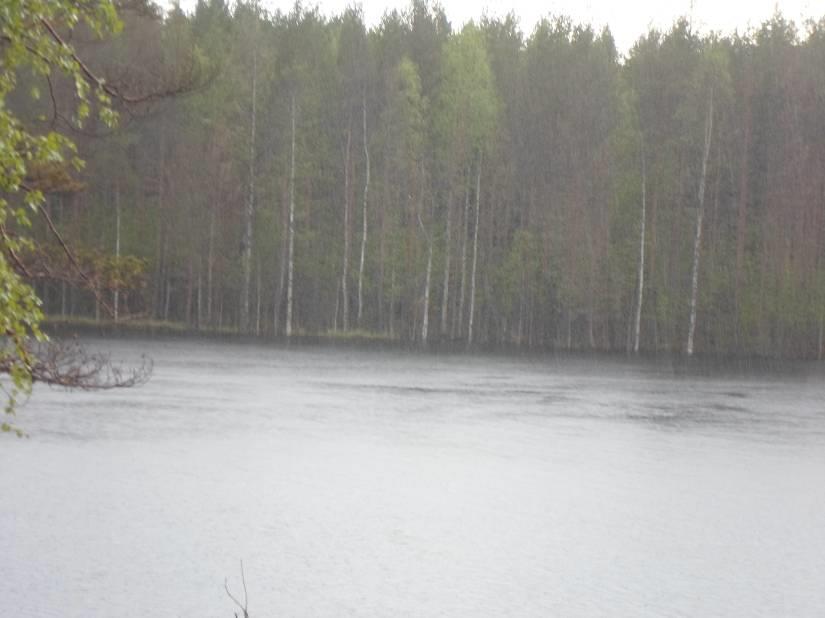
(370, 483)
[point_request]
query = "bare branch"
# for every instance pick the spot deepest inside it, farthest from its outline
(55, 113)
(242, 606)
(69, 365)
(74, 262)
(99, 82)
(243, 580)
(15, 260)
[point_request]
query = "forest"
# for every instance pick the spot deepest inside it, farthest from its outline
(422, 183)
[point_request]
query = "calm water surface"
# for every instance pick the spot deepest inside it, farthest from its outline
(384, 484)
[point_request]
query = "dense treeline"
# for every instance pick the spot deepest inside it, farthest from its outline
(476, 185)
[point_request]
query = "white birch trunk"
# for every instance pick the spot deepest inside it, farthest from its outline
(117, 248)
(345, 268)
(392, 300)
(291, 249)
(209, 264)
(279, 293)
(475, 257)
(157, 298)
(189, 288)
(258, 299)
(168, 302)
(246, 244)
(426, 319)
(364, 215)
(445, 296)
(697, 243)
(200, 293)
(463, 291)
(337, 306)
(640, 296)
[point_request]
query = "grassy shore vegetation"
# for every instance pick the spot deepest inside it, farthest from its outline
(60, 326)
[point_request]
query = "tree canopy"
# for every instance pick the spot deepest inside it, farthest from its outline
(491, 181)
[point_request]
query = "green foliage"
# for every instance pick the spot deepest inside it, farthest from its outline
(467, 104)
(554, 122)
(31, 42)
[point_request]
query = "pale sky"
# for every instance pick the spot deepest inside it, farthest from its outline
(627, 20)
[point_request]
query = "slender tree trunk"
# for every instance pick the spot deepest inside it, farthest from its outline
(337, 306)
(640, 295)
(157, 297)
(220, 311)
(116, 299)
(425, 320)
(279, 294)
(364, 215)
(189, 290)
(62, 283)
(246, 243)
(382, 261)
(210, 259)
(258, 297)
(291, 249)
(742, 212)
(392, 300)
(426, 317)
(651, 259)
(591, 339)
(200, 294)
(167, 283)
(345, 268)
(475, 256)
(168, 302)
(697, 243)
(463, 291)
(445, 295)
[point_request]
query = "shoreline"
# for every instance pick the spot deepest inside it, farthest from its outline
(61, 326)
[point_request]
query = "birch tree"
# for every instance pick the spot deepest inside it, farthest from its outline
(291, 225)
(641, 276)
(467, 109)
(352, 67)
(345, 261)
(475, 254)
(249, 210)
(700, 213)
(364, 219)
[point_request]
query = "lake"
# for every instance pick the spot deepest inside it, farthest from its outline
(384, 484)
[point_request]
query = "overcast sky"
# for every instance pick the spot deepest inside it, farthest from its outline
(627, 20)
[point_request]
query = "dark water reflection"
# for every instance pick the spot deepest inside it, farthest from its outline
(383, 484)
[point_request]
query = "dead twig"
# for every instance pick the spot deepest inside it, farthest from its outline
(242, 606)
(68, 365)
(73, 260)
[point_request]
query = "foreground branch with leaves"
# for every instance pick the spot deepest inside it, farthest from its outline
(37, 49)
